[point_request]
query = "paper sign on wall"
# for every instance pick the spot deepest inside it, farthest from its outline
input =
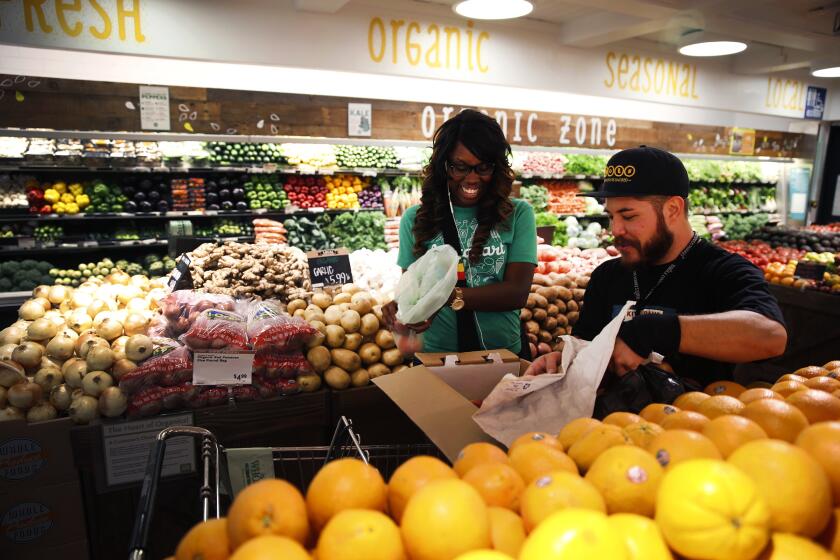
(154, 108)
(359, 119)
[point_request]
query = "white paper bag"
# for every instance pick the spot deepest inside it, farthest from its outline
(546, 403)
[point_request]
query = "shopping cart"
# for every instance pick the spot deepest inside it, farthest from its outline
(296, 465)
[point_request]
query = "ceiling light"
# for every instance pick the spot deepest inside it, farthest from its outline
(713, 48)
(826, 72)
(493, 9)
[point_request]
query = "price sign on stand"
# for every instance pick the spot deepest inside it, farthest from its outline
(222, 368)
(180, 278)
(810, 270)
(329, 268)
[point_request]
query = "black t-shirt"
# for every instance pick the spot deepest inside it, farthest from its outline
(709, 280)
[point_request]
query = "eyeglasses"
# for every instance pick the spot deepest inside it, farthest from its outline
(461, 170)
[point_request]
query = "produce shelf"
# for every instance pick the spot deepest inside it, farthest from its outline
(59, 218)
(85, 247)
(13, 300)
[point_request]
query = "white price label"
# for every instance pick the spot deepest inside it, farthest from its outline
(218, 368)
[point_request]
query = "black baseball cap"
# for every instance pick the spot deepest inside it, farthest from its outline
(643, 171)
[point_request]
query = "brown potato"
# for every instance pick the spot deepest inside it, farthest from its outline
(540, 315)
(525, 315)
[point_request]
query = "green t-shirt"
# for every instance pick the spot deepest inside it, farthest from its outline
(518, 243)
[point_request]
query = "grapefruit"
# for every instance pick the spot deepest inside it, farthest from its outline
(751, 395)
(724, 388)
(792, 483)
(271, 547)
(359, 533)
(267, 507)
(574, 533)
(641, 535)
(572, 431)
(541, 437)
(207, 540)
(344, 484)
(787, 388)
(507, 531)
(675, 446)
(499, 484)
(596, 441)
(628, 478)
(825, 383)
(690, 400)
(643, 433)
(557, 491)
(656, 412)
(822, 442)
(622, 419)
(719, 405)
(816, 405)
(685, 420)
(785, 546)
(411, 476)
(533, 460)
(476, 454)
(779, 419)
(728, 433)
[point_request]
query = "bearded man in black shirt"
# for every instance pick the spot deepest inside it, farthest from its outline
(698, 307)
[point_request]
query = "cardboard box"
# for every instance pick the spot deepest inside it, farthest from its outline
(39, 518)
(442, 412)
(472, 374)
(36, 454)
(77, 550)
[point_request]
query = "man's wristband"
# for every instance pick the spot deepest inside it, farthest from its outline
(652, 333)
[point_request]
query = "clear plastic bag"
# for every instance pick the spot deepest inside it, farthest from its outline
(427, 284)
(217, 329)
(180, 309)
(287, 366)
(169, 365)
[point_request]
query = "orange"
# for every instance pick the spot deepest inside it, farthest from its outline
(709, 509)
(685, 420)
(507, 531)
(622, 419)
(830, 538)
(271, 547)
(816, 405)
(628, 478)
(485, 554)
(656, 412)
(344, 484)
(792, 377)
(758, 385)
(751, 395)
(267, 507)
(411, 476)
(358, 533)
(810, 371)
(675, 446)
(836, 393)
(443, 519)
(724, 388)
(642, 537)
(822, 442)
(499, 484)
(643, 433)
(541, 437)
(572, 431)
(792, 483)
(786, 388)
(834, 374)
(596, 441)
(574, 533)
(784, 546)
(719, 405)
(206, 541)
(533, 460)
(690, 400)
(557, 491)
(779, 419)
(729, 433)
(827, 384)
(832, 365)
(476, 454)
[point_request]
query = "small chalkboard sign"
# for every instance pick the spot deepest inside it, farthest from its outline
(810, 270)
(329, 268)
(180, 278)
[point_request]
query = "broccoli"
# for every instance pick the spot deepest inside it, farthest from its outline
(5, 285)
(28, 263)
(101, 189)
(44, 267)
(156, 268)
(26, 285)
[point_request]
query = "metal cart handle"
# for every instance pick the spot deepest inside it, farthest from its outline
(148, 492)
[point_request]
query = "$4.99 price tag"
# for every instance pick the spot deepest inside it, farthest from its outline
(222, 368)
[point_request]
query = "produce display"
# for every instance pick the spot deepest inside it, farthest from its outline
(12, 191)
(184, 152)
(563, 198)
(261, 270)
(832, 227)
(710, 171)
(225, 228)
(70, 348)
(552, 309)
(392, 232)
(262, 192)
(357, 230)
(583, 164)
(352, 348)
(536, 196)
(376, 272)
(366, 156)
(343, 191)
(48, 232)
(269, 231)
(400, 193)
(315, 156)
(19, 276)
(152, 265)
(306, 192)
(540, 164)
(13, 147)
(307, 234)
(696, 479)
(586, 236)
(228, 193)
(234, 153)
(804, 240)
(712, 199)
(547, 219)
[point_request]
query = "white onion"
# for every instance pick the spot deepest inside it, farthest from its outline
(84, 409)
(112, 402)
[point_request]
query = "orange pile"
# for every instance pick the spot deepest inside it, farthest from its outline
(734, 472)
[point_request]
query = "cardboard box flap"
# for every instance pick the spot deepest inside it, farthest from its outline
(441, 359)
(437, 409)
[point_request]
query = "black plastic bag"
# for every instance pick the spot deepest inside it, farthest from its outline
(637, 389)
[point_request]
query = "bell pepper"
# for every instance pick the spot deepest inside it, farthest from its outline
(72, 208)
(52, 196)
(77, 189)
(67, 198)
(35, 197)
(46, 209)
(61, 187)
(83, 201)
(59, 208)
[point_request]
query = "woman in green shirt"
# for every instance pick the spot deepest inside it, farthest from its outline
(466, 204)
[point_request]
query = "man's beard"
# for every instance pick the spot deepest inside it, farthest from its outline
(652, 251)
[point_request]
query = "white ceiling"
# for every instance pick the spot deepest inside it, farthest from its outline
(783, 35)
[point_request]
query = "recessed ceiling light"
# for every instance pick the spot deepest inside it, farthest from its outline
(826, 72)
(713, 48)
(493, 9)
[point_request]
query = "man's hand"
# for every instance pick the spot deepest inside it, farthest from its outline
(546, 363)
(624, 359)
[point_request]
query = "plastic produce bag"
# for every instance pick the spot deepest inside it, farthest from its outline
(271, 329)
(427, 284)
(169, 365)
(216, 329)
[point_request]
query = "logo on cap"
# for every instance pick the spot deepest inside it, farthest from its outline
(620, 171)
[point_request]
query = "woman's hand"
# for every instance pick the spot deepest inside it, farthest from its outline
(389, 317)
(546, 363)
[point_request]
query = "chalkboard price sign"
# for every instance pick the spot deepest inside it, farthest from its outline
(180, 278)
(329, 268)
(810, 270)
